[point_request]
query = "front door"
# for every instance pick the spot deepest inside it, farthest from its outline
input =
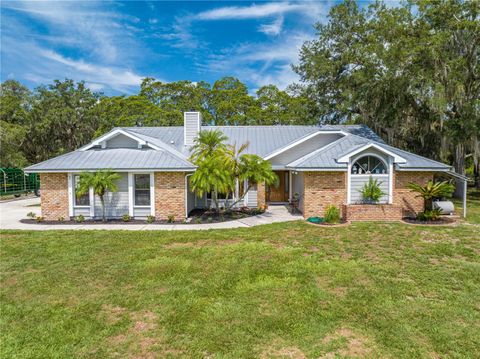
(279, 193)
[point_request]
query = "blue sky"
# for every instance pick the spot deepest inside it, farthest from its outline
(113, 45)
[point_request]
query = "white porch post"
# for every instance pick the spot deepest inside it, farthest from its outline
(130, 194)
(349, 173)
(152, 193)
(91, 196)
(70, 195)
(290, 186)
(390, 180)
(464, 198)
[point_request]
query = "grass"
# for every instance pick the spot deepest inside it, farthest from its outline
(473, 202)
(283, 290)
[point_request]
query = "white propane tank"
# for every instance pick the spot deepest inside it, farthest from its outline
(446, 207)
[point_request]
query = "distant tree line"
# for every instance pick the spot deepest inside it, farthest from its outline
(61, 117)
(411, 72)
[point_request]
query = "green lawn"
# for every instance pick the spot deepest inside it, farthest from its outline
(286, 290)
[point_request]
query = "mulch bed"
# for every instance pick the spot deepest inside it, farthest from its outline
(198, 216)
(325, 224)
(440, 222)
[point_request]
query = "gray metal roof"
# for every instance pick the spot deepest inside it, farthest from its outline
(263, 140)
(115, 158)
(327, 156)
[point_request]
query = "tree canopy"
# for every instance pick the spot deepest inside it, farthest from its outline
(410, 72)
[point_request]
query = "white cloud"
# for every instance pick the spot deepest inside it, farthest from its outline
(272, 29)
(260, 63)
(83, 25)
(255, 11)
(96, 75)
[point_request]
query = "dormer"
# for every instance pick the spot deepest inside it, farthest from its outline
(118, 138)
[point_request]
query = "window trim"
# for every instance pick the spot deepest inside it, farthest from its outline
(74, 187)
(149, 189)
(382, 160)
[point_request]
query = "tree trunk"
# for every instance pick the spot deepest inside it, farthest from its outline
(102, 201)
(215, 199)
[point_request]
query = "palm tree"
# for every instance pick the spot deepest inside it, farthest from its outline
(234, 163)
(432, 190)
(101, 182)
(207, 144)
(254, 170)
(209, 154)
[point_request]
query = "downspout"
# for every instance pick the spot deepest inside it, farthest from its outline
(186, 194)
(464, 198)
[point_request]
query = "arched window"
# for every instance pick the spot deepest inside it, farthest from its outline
(369, 165)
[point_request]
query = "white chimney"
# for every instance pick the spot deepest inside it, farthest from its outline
(192, 121)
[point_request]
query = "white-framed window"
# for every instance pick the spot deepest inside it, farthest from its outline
(369, 165)
(84, 199)
(141, 188)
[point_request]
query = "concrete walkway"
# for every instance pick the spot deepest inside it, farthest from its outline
(12, 212)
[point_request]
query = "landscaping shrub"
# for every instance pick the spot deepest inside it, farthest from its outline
(39, 219)
(80, 219)
(61, 219)
(197, 220)
(371, 192)
(332, 214)
(150, 219)
(126, 218)
(430, 215)
(31, 215)
(171, 218)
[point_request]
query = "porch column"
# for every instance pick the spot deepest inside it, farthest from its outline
(290, 186)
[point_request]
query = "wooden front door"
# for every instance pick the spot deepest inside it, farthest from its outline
(279, 193)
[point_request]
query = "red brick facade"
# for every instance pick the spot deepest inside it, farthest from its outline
(54, 196)
(170, 195)
(322, 189)
(403, 196)
(376, 212)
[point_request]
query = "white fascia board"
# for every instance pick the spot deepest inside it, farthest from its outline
(427, 169)
(396, 158)
(115, 133)
(303, 139)
(330, 169)
(144, 170)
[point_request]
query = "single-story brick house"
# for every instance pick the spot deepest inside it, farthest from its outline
(321, 165)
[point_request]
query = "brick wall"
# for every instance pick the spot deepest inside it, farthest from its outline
(54, 195)
(377, 212)
(170, 195)
(405, 197)
(322, 189)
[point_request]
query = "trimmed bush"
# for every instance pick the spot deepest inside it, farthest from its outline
(126, 218)
(150, 219)
(332, 214)
(80, 219)
(171, 218)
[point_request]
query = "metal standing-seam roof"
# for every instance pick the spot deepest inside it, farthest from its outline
(170, 153)
(114, 158)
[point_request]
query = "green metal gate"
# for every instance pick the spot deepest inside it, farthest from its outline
(13, 181)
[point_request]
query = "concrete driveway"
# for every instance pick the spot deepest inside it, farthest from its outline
(12, 212)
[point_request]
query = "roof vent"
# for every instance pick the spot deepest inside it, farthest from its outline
(192, 121)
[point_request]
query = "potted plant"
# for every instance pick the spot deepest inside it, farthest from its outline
(371, 191)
